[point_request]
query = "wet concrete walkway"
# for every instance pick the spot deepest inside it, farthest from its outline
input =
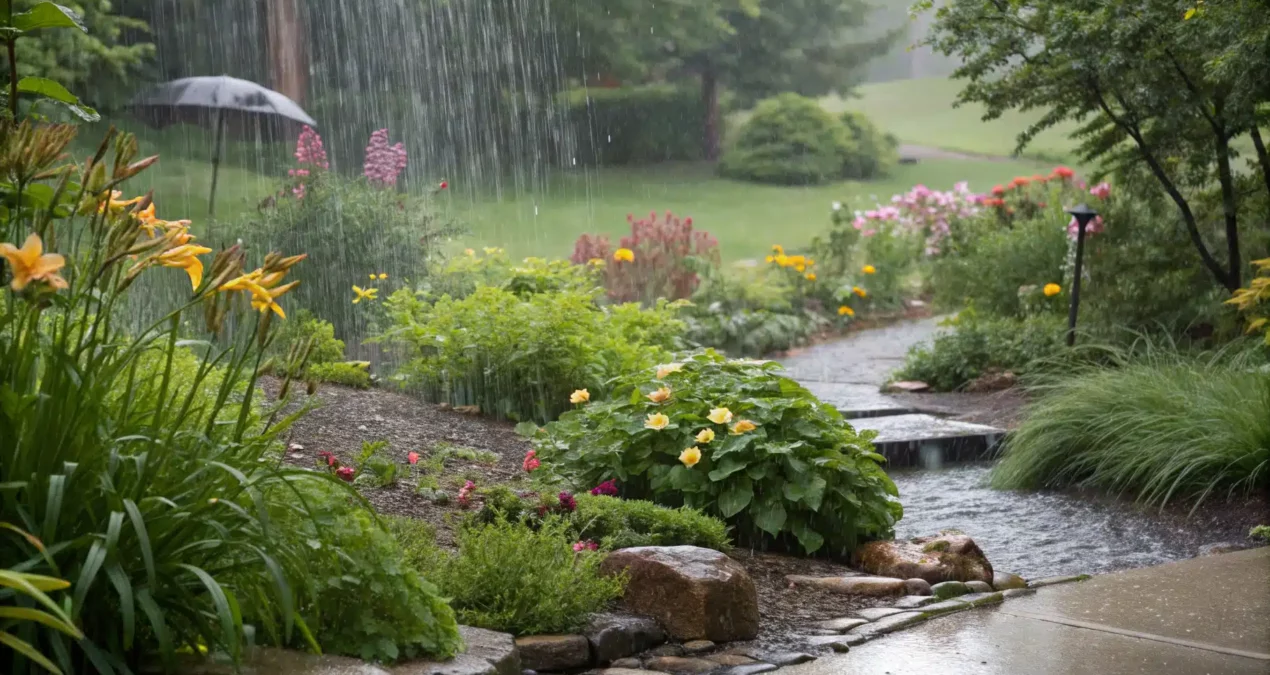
(1199, 616)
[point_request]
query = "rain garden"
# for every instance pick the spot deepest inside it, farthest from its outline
(451, 334)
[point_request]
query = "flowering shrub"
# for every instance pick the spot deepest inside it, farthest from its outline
(384, 163)
(734, 439)
(921, 211)
(653, 261)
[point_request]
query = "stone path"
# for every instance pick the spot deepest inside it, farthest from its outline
(847, 374)
(1205, 615)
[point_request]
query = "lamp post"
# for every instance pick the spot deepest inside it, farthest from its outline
(1083, 215)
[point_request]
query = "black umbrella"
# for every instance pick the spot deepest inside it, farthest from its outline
(222, 103)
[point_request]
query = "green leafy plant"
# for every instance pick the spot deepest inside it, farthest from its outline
(509, 577)
(302, 329)
(40, 16)
(636, 125)
(34, 588)
(975, 345)
(350, 374)
(876, 152)
(749, 311)
(1261, 532)
(733, 439)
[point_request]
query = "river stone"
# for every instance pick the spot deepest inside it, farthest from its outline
(631, 663)
(730, 659)
(697, 646)
(944, 607)
(944, 557)
(1050, 581)
(1222, 547)
(497, 648)
(694, 593)
(979, 586)
(980, 599)
(836, 642)
(623, 671)
(874, 586)
(783, 659)
(751, 669)
(821, 631)
(889, 624)
(554, 652)
(679, 664)
(915, 601)
(1004, 581)
(841, 625)
(463, 664)
(1017, 592)
(917, 586)
(666, 650)
(613, 636)
(875, 613)
(949, 589)
(271, 661)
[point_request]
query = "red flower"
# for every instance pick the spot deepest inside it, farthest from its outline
(330, 459)
(567, 502)
(608, 488)
(346, 474)
(531, 461)
(587, 545)
(444, 185)
(413, 458)
(999, 191)
(1062, 172)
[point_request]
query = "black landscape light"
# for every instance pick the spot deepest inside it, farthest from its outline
(1084, 215)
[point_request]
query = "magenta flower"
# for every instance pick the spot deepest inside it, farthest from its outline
(412, 457)
(567, 503)
(1101, 190)
(465, 493)
(587, 545)
(346, 474)
(608, 489)
(1095, 226)
(384, 163)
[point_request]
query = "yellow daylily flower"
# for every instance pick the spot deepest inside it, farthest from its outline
(382, 276)
(580, 396)
(720, 415)
(1052, 290)
(869, 269)
(845, 311)
(657, 421)
(624, 255)
(811, 276)
(771, 259)
(469, 253)
(372, 276)
(778, 249)
(663, 371)
(800, 268)
(31, 263)
(116, 204)
(186, 257)
(705, 436)
(660, 396)
(368, 294)
(743, 426)
(859, 291)
(690, 457)
(267, 300)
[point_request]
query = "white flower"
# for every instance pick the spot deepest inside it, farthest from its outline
(837, 206)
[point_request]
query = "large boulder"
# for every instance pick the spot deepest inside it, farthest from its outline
(947, 556)
(695, 593)
(614, 636)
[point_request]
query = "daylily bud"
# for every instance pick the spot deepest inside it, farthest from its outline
(138, 166)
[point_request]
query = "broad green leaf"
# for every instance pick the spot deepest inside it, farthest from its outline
(734, 499)
(810, 539)
(727, 467)
(48, 15)
(770, 518)
(42, 86)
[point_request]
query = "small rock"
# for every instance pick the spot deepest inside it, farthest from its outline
(1222, 547)
(633, 664)
(678, 664)
(821, 631)
(554, 652)
(835, 642)
(497, 648)
(979, 586)
(1004, 581)
(980, 599)
(783, 659)
(613, 636)
(944, 607)
(873, 586)
(751, 669)
(889, 624)
(917, 586)
(991, 380)
(623, 671)
(842, 625)
(730, 659)
(295, 447)
(361, 427)
(1050, 581)
(915, 304)
(1017, 592)
(666, 650)
(915, 601)
(875, 613)
(905, 387)
(949, 589)
(948, 556)
(694, 593)
(697, 646)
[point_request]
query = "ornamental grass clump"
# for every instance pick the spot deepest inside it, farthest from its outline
(734, 439)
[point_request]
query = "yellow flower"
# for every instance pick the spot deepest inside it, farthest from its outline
(782, 260)
(469, 252)
(369, 294)
(596, 262)
(1052, 290)
(663, 371)
(859, 291)
(372, 276)
(116, 204)
(771, 259)
(845, 311)
(705, 436)
(660, 396)
(382, 276)
(800, 268)
(811, 276)
(186, 257)
(778, 249)
(31, 263)
(743, 426)
(657, 421)
(720, 415)
(263, 298)
(624, 254)
(869, 269)
(268, 300)
(580, 396)
(690, 457)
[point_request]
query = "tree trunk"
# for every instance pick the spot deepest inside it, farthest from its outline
(710, 100)
(288, 49)
(1263, 157)
(1230, 209)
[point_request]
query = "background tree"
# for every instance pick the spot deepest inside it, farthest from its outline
(1152, 89)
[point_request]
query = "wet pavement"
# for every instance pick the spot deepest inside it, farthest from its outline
(866, 357)
(1206, 615)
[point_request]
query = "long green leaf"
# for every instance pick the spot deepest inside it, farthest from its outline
(143, 539)
(229, 629)
(158, 624)
(29, 614)
(29, 652)
(48, 15)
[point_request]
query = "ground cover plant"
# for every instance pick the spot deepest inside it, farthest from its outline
(973, 345)
(734, 439)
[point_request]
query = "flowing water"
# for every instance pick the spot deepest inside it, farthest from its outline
(1034, 534)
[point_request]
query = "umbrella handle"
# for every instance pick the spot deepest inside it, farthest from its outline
(220, 133)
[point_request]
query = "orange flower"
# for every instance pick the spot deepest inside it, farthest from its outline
(31, 263)
(660, 396)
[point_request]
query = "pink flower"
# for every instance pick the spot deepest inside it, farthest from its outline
(465, 493)
(1095, 226)
(531, 461)
(412, 457)
(587, 545)
(346, 474)
(384, 163)
(608, 489)
(567, 502)
(1101, 190)
(330, 459)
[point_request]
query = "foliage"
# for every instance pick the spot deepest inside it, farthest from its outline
(32, 589)
(1261, 532)
(749, 311)
(733, 439)
(307, 333)
(354, 374)
(364, 599)
(977, 345)
(520, 357)
(1160, 92)
(789, 140)
(636, 125)
(877, 152)
(509, 577)
(460, 276)
(1253, 298)
(611, 522)
(1161, 426)
(922, 212)
(660, 258)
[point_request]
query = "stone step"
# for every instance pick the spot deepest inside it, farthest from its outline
(925, 440)
(857, 401)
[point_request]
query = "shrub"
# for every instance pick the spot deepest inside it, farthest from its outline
(351, 374)
(876, 152)
(509, 577)
(636, 125)
(733, 439)
(296, 335)
(977, 345)
(749, 311)
(1254, 298)
(521, 357)
(1162, 427)
(660, 258)
(790, 140)
(611, 522)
